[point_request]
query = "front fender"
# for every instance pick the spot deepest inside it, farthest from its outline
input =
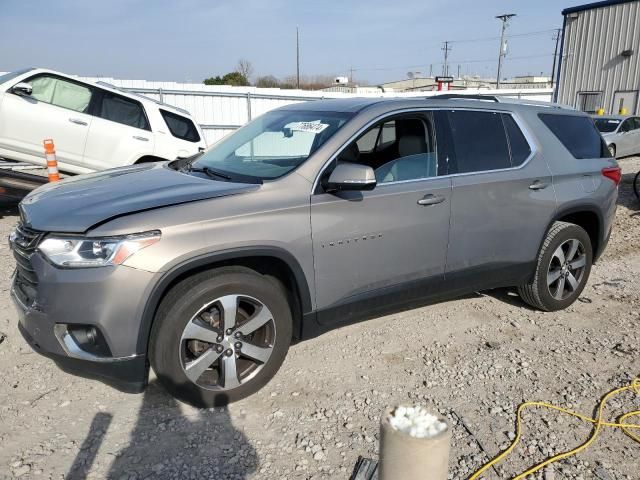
(182, 269)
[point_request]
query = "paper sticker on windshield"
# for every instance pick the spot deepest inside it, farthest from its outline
(311, 127)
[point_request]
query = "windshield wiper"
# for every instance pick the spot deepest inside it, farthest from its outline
(210, 172)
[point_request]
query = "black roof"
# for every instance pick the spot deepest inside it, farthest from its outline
(591, 6)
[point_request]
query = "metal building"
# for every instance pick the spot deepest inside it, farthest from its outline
(599, 64)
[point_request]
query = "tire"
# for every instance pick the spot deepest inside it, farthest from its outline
(559, 294)
(191, 325)
(612, 150)
(636, 185)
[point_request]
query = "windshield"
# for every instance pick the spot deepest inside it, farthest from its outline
(607, 125)
(272, 145)
(11, 75)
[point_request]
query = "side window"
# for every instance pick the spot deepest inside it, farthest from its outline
(518, 145)
(479, 141)
(61, 93)
(577, 133)
(404, 149)
(123, 110)
(180, 127)
(636, 123)
(367, 142)
(627, 125)
(388, 135)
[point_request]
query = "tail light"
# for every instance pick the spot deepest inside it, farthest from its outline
(613, 173)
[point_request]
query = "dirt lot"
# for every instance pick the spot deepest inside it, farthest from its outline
(475, 359)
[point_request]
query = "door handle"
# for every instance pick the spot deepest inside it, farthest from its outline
(430, 199)
(538, 185)
(142, 139)
(77, 121)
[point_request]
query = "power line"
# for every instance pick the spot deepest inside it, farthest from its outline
(512, 35)
(485, 60)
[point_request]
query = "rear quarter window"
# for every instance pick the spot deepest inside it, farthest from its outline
(518, 145)
(578, 134)
(181, 127)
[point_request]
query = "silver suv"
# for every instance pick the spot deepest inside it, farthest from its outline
(310, 217)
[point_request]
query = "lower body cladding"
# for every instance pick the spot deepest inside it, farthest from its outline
(86, 320)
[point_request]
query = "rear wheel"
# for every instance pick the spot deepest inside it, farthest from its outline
(562, 270)
(220, 336)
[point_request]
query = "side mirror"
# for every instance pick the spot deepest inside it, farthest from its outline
(23, 88)
(351, 176)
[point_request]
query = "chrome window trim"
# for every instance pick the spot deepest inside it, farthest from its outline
(521, 125)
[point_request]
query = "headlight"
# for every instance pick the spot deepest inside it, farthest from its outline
(80, 252)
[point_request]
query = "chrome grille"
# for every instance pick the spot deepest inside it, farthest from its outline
(24, 242)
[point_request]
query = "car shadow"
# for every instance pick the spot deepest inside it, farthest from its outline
(169, 441)
(509, 296)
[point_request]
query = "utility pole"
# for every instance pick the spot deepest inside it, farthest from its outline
(431, 70)
(458, 70)
(555, 56)
(503, 51)
(445, 66)
(297, 58)
(351, 75)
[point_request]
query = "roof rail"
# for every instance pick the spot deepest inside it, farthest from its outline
(462, 96)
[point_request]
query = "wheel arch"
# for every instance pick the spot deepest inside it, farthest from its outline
(266, 260)
(589, 218)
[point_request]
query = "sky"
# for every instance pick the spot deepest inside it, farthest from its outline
(190, 40)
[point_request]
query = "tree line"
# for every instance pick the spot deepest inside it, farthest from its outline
(243, 73)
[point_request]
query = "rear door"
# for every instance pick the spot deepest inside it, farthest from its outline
(377, 248)
(626, 141)
(635, 147)
(502, 198)
(120, 132)
(58, 108)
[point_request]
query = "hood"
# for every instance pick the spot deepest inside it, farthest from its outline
(76, 204)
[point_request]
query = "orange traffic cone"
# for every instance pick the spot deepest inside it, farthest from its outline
(52, 163)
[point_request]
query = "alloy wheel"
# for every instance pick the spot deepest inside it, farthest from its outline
(566, 269)
(227, 342)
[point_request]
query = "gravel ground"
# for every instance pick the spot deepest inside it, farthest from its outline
(474, 359)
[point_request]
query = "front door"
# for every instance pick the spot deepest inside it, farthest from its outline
(383, 246)
(57, 109)
(626, 141)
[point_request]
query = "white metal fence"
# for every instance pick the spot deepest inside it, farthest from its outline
(221, 109)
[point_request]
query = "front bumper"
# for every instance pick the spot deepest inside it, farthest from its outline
(111, 299)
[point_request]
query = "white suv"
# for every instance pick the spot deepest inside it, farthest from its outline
(94, 126)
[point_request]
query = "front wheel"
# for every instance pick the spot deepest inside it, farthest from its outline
(636, 185)
(220, 336)
(563, 267)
